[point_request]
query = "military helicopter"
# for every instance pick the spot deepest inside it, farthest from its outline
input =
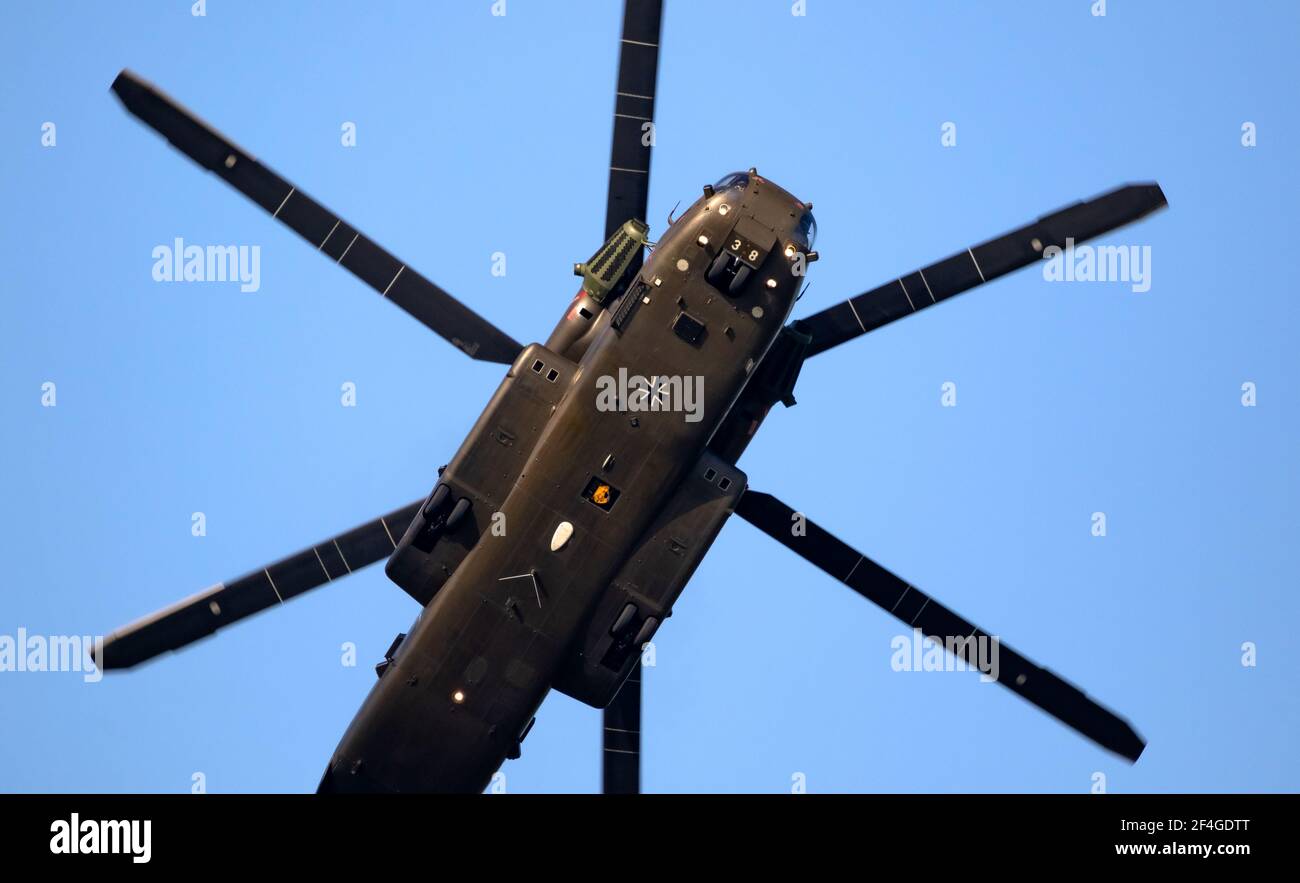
(558, 537)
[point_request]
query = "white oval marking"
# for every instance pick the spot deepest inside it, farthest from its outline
(561, 537)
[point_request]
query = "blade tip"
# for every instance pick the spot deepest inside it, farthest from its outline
(126, 85)
(129, 86)
(1158, 195)
(1152, 193)
(1135, 750)
(104, 660)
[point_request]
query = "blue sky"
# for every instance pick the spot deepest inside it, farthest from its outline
(478, 134)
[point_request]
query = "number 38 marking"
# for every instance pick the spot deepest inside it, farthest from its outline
(738, 246)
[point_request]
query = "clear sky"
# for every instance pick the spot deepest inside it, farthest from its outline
(479, 134)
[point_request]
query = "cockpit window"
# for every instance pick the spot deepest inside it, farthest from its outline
(808, 226)
(738, 180)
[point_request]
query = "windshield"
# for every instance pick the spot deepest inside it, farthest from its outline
(808, 226)
(738, 180)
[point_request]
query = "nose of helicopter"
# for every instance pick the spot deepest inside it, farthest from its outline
(776, 206)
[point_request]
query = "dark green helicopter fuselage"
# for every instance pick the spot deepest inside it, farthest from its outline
(565, 527)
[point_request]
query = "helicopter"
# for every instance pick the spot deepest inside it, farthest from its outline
(558, 537)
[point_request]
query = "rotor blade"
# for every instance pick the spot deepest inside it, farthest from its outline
(980, 263)
(628, 197)
(634, 107)
(324, 230)
(1059, 698)
(200, 615)
(621, 767)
